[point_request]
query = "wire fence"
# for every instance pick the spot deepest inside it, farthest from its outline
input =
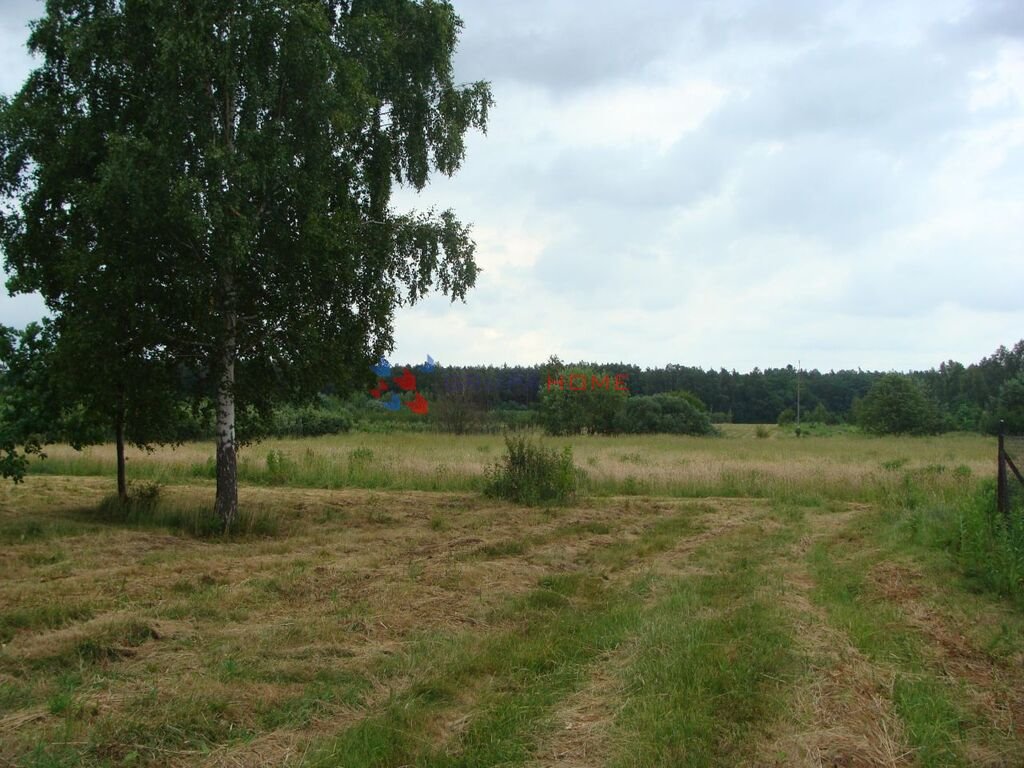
(1010, 477)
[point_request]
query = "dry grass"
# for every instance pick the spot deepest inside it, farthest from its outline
(135, 646)
(845, 466)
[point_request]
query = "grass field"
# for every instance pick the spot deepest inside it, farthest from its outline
(717, 601)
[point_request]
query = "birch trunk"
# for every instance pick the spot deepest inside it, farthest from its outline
(226, 505)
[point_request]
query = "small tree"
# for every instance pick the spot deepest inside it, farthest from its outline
(255, 144)
(897, 405)
(576, 399)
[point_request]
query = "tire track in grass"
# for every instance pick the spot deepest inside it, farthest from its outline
(713, 665)
(842, 710)
(580, 734)
(488, 704)
(943, 714)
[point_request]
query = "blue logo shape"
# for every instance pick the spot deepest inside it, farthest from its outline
(429, 365)
(382, 369)
(392, 403)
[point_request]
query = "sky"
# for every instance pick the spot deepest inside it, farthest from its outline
(724, 184)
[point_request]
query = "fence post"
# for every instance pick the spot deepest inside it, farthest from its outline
(1002, 502)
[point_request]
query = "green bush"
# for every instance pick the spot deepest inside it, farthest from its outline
(578, 399)
(327, 418)
(531, 474)
(663, 413)
(897, 405)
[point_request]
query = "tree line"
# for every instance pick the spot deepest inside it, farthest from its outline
(971, 397)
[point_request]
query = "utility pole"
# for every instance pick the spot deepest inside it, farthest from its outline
(798, 398)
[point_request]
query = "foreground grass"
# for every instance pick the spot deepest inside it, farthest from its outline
(817, 601)
(387, 628)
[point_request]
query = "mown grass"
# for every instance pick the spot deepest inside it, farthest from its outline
(396, 627)
(903, 582)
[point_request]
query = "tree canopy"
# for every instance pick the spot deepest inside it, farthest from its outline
(898, 405)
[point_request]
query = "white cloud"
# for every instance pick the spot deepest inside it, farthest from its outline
(733, 183)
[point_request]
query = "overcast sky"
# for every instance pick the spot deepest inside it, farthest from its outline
(725, 183)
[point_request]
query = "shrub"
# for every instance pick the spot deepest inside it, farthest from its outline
(897, 405)
(577, 399)
(662, 413)
(326, 418)
(531, 474)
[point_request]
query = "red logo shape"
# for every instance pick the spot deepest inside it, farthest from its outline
(418, 404)
(406, 381)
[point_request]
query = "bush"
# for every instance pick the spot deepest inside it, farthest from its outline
(663, 413)
(897, 405)
(531, 474)
(577, 399)
(327, 418)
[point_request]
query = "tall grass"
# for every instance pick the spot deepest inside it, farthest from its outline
(846, 467)
(987, 546)
(529, 473)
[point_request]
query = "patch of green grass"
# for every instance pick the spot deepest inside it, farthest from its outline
(51, 615)
(935, 726)
(21, 530)
(712, 664)
(111, 642)
(507, 548)
(15, 694)
(319, 698)
(925, 702)
(658, 536)
(876, 627)
(516, 678)
(580, 528)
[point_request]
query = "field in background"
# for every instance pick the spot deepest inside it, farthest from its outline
(844, 466)
(803, 607)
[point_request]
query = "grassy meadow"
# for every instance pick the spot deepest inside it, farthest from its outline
(740, 600)
(846, 466)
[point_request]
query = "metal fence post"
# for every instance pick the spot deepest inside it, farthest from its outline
(1002, 500)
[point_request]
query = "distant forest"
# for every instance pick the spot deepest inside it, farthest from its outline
(965, 394)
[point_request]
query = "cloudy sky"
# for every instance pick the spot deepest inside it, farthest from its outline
(726, 183)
